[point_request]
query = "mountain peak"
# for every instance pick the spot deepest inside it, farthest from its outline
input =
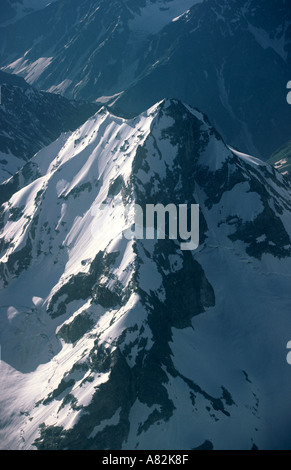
(106, 331)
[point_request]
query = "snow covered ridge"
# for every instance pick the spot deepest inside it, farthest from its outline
(116, 343)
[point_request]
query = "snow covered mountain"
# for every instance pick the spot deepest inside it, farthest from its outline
(230, 58)
(112, 342)
(30, 120)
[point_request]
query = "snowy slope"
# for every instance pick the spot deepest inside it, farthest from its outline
(113, 342)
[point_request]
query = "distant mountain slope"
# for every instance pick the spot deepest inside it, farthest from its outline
(30, 120)
(232, 59)
(85, 49)
(13, 10)
(116, 342)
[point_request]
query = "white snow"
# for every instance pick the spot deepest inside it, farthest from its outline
(180, 16)
(30, 70)
(252, 160)
(93, 155)
(12, 312)
(61, 87)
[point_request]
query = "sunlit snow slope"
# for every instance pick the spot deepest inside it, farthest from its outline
(109, 342)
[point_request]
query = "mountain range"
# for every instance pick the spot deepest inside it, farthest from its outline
(231, 59)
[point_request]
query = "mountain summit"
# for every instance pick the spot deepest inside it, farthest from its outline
(112, 342)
